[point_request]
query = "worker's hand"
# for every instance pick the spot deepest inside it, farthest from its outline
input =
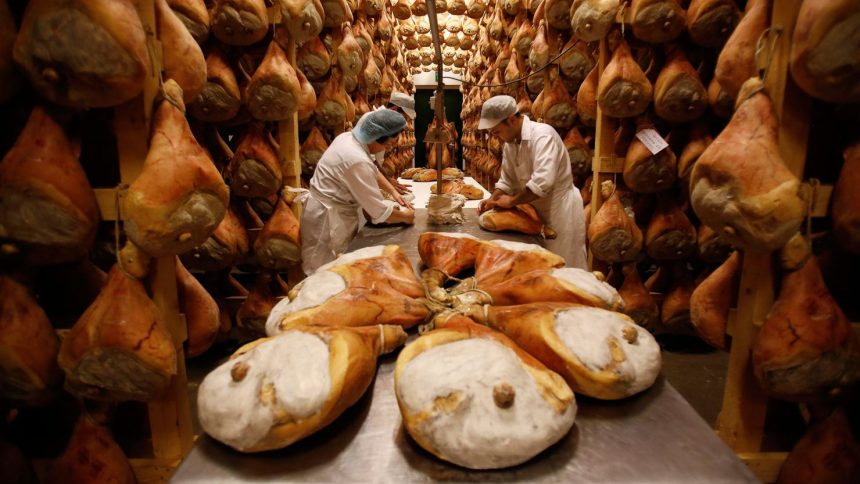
(505, 201)
(402, 201)
(401, 187)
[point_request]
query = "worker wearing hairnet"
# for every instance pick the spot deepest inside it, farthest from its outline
(405, 104)
(344, 184)
(536, 170)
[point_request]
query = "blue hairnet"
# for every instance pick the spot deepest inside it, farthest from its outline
(378, 124)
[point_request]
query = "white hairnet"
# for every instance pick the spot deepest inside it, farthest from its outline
(405, 101)
(377, 124)
(496, 109)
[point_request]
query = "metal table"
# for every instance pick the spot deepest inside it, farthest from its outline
(652, 437)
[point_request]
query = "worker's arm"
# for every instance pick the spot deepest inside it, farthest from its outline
(508, 201)
(384, 184)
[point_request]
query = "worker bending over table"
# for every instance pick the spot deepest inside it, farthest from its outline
(536, 170)
(344, 184)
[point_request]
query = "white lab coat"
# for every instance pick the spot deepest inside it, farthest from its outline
(540, 163)
(343, 184)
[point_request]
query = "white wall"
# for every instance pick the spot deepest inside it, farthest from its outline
(428, 79)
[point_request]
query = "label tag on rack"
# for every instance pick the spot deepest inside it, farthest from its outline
(652, 140)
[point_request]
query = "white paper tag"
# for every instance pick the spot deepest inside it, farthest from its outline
(652, 140)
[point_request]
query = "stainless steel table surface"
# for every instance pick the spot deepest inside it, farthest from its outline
(652, 437)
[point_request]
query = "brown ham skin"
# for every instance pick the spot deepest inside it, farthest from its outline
(846, 201)
(28, 350)
(220, 98)
(91, 456)
(9, 81)
(471, 192)
(670, 235)
(712, 248)
(83, 53)
(827, 453)
(522, 218)
(183, 59)
(712, 300)
(645, 172)
(675, 311)
(578, 152)
(699, 140)
(825, 49)
(334, 108)
(591, 20)
(495, 263)
(449, 254)
(202, 316)
(313, 59)
(258, 304)
(586, 99)
(312, 149)
(679, 95)
(740, 186)
(179, 198)
(541, 286)
(612, 235)
(638, 302)
(736, 62)
(278, 245)
(806, 346)
(303, 18)
(719, 100)
(122, 333)
(274, 91)
(559, 110)
(657, 21)
(255, 170)
(47, 209)
(623, 91)
(194, 15)
(711, 22)
(239, 22)
(224, 248)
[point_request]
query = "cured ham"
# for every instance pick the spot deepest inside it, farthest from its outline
(675, 311)
(577, 62)
(613, 235)
(91, 456)
(202, 316)
(54, 36)
(471, 192)
(194, 15)
(586, 99)
(623, 91)
(670, 235)
(220, 98)
(120, 348)
(255, 170)
(311, 150)
(824, 50)
(737, 61)
(226, 247)
(559, 108)
(591, 20)
(374, 285)
(9, 81)
(313, 59)
(273, 93)
(278, 245)
(449, 252)
(28, 350)
(276, 391)
(579, 153)
(601, 354)
(846, 201)
(711, 22)
(336, 13)
(646, 172)
(183, 60)
(806, 346)
(740, 186)
(471, 396)
(303, 18)
(239, 22)
(522, 218)
(179, 198)
(258, 303)
(712, 248)
(712, 299)
(48, 211)
(827, 452)
(679, 95)
(565, 284)
(498, 260)
(657, 21)
(698, 141)
(334, 108)
(638, 302)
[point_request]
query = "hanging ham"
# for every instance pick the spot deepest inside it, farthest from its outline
(679, 95)
(220, 99)
(83, 54)
(302, 18)
(311, 150)
(613, 235)
(274, 91)
(443, 382)
(578, 152)
(9, 81)
(675, 311)
(586, 99)
(179, 197)
(255, 170)
(740, 186)
(698, 141)
(557, 13)
(577, 62)
(638, 302)
(645, 172)
(313, 59)
(591, 20)
(349, 54)
(522, 218)
(258, 303)
(28, 350)
(711, 22)
(334, 108)
(336, 13)
(806, 346)
(825, 48)
(374, 285)
(226, 247)
(202, 316)
(846, 201)
(48, 211)
(657, 21)
(194, 15)
(721, 103)
(737, 61)
(278, 245)
(276, 391)
(670, 235)
(120, 348)
(239, 22)
(712, 248)
(498, 260)
(712, 299)
(623, 90)
(91, 456)
(559, 108)
(182, 60)
(827, 452)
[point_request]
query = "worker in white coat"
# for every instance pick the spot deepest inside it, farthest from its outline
(536, 170)
(344, 184)
(405, 104)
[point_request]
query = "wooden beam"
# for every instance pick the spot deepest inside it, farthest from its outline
(603, 144)
(765, 465)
